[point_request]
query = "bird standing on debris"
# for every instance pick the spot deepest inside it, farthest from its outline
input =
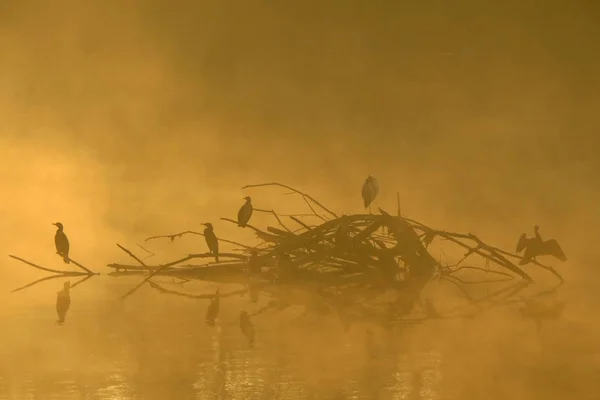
(211, 240)
(61, 242)
(246, 326)
(213, 309)
(535, 246)
(245, 212)
(370, 190)
(63, 302)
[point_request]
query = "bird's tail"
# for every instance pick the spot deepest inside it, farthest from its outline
(66, 259)
(241, 225)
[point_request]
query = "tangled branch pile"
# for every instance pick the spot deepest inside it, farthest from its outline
(359, 256)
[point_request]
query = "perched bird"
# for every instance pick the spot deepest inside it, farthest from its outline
(246, 326)
(213, 309)
(63, 302)
(370, 190)
(535, 246)
(61, 242)
(211, 240)
(245, 212)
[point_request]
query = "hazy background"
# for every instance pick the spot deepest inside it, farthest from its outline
(128, 119)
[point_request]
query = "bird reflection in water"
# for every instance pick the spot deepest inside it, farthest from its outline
(63, 302)
(247, 327)
(213, 309)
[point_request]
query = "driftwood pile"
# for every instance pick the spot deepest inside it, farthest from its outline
(351, 259)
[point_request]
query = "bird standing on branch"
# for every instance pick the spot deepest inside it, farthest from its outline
(370, 190)
(61, 242)
(63, 302)
(245, 213)
(211, 240)
(213, 309)
(535, 246)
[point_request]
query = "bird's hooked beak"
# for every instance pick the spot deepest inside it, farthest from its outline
(55, 224)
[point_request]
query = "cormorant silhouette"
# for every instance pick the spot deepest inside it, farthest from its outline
(245, 212)
(61, 242)
(370, 190)
(535, 246)
(211, 240)
(63, 302)
(247, 327)
(213, 309)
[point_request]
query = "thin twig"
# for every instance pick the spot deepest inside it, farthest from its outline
(133, 256)
(146, 250)
(276, 217)
(180, 234)
(295, 191)
(89, 272)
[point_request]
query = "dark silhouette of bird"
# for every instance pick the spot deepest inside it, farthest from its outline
(245, 212)
(370, 190)
(213, 309)
(211, 240)
(535, 246)
(63, 302)
(537, 311)
(247, 327)
(61, 242)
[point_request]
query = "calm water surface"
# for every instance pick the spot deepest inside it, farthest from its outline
(157, 346)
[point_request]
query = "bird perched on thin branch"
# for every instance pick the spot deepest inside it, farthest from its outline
(535, 246)
(245, 212)
(213, 309)
(63, 302)
(211, 240)
(61, 242)
(247, 327)
(370, 190)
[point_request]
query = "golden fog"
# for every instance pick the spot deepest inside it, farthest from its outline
(124, 121)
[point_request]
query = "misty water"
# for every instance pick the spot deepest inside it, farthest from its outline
(124, 121)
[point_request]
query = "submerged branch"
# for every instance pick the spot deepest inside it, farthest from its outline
(54, 271)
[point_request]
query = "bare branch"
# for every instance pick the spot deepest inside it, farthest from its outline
(133, 256)
(306, 196)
